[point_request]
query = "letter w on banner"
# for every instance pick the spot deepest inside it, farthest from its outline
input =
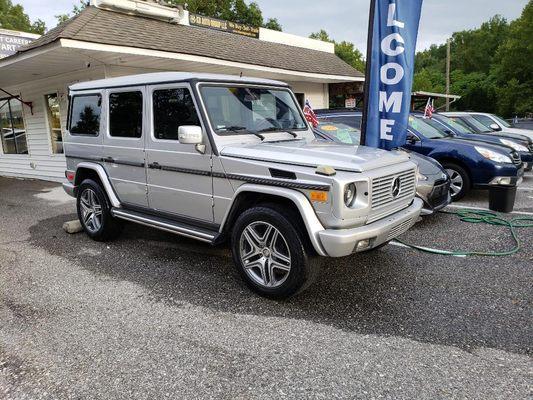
(389, 71)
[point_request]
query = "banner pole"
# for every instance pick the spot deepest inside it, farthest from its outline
(367, 70)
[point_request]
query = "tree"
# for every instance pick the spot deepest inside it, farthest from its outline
(13, 17)
(344, 50)
(78, 8)
(231, 10)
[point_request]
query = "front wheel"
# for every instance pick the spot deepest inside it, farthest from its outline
(459, 180)
(270, 253)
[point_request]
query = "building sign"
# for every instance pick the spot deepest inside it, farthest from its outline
(10, 41)
(221, 25)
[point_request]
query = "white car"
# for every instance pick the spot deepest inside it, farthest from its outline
(498, 124)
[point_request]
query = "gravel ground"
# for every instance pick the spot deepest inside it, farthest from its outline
(152, 315)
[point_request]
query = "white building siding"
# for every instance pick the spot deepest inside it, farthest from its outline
(40, 163)
(316, 93)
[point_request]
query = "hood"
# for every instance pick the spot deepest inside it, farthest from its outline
(519, 131)
(312, 153)
(500, 148)
(520, 134)
(427, 165)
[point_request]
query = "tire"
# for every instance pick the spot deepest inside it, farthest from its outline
(462, 184)
(94, 212)
(270, 252)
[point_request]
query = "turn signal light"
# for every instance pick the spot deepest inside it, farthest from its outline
(319, 196)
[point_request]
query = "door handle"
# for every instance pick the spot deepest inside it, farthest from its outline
(108, 159)
(154, 165)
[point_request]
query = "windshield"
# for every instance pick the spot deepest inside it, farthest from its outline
(421, 126)
(501, 121)
(238, 109)
(476, 124)
(456, 124)
(339, 132)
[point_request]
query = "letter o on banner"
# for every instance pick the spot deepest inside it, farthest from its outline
(398, 73)
(386, 45)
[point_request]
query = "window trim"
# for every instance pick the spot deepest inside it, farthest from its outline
(181, 85)
(28, 154)
(131, 89)
(50, 144)
(71, 103)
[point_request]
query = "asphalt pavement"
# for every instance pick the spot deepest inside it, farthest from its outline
(152, 315)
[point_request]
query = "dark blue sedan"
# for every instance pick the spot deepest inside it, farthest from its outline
(470, 164)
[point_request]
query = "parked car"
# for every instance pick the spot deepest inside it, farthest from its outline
(493, 122)
(458, 129)
(433, 183)
(469, 164)
(225, 158)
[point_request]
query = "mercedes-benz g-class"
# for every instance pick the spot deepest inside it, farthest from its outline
(227, 158)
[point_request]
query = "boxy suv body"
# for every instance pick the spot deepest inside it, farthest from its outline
(218, 158)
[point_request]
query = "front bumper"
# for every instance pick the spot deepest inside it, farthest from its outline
(343, 242)
(435, 194)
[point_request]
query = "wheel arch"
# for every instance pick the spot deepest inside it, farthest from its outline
(96, 172)
(248, 195)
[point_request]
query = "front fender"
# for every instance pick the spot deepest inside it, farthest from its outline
(312, 224)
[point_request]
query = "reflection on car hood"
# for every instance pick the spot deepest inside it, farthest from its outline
(314, 153)
(427, 165)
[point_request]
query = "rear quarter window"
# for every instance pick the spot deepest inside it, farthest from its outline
(85, 114)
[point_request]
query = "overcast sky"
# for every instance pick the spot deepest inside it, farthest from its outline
(343, 19)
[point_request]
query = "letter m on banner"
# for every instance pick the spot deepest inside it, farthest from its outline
(392, 34)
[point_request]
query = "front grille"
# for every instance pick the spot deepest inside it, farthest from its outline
(399, 229)
(439, 194)
(516, 158)
(530, 147)
(382, 190)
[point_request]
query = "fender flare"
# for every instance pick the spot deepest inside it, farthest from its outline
(307, 212)
(102, 174)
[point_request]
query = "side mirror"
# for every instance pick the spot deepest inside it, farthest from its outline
(495, 127)
(190, 134)
(412, 139)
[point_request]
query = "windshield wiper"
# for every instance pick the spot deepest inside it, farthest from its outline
(237, 129)
(273, 128)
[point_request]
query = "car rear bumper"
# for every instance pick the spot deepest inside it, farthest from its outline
(343, 242)
(69, 189)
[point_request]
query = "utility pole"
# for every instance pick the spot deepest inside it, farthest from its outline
(448, 45)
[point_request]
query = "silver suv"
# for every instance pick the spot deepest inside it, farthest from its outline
(226, 158)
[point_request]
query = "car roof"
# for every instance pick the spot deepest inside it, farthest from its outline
(168, 77)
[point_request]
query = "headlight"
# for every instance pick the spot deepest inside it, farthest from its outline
(493, 156)
(349, 194)
(514, 145)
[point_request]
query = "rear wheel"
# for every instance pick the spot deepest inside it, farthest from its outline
(270, 253)
(94, 212)
(459, 180)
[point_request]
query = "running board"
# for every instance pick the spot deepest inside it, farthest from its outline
(166, 225)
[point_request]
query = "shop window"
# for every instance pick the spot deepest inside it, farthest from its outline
(126, 114)
(173, 108)
(54, 122)
(85, 114)
(12, 128)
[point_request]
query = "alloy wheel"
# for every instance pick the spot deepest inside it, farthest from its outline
(265, 254)
(91, 210)
(456, 182)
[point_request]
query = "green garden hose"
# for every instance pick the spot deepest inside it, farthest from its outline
(481, 217)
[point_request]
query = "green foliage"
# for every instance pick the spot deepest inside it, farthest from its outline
(344, 50)
(13, 17)
(231, 10)
(78, 8)
(492, 67)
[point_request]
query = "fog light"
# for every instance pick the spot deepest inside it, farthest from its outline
(362, 244)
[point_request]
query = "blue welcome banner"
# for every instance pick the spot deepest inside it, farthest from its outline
(389, 77)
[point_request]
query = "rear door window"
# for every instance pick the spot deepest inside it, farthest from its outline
(85, 114)
(126, 114)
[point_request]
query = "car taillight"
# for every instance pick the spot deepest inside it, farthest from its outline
(70, 175)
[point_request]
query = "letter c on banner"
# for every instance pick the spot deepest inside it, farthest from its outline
(386, 44)
(398, 73)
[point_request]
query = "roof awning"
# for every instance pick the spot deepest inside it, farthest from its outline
(67, 55)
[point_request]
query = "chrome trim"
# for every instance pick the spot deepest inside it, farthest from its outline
(165, 226)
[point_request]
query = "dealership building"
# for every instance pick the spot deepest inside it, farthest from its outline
(113, 38)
